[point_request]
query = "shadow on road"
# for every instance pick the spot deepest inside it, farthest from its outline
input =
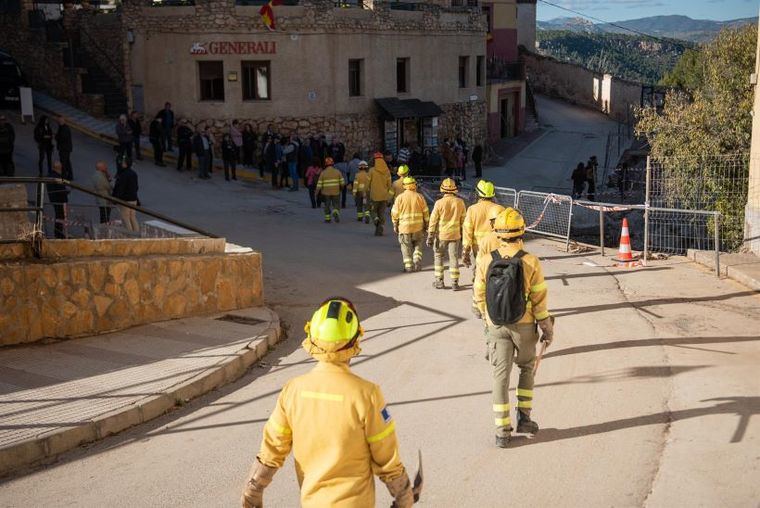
(675, 342)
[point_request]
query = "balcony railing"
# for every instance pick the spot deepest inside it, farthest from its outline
(498, 69)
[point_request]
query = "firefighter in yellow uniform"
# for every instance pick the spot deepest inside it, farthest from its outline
(398, 185)
(445, 232)
(335, 422)
(329, 186)
(379, 189)
(410, 217)
(478, 224)
(515, 343)
(360, 186)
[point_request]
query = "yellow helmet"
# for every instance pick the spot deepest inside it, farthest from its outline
(493, 211)
(485, 189)
(448, 186)
(409, 183)
(333, 333)
(402, 170)
(509, 224)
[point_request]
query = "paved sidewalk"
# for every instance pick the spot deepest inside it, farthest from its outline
(56, 396)
(743, 268)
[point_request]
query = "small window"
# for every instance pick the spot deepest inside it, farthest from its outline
(402, 75)
(256, 80)
(211, 76)
(479, 70)
(463, 63)
(355, 68)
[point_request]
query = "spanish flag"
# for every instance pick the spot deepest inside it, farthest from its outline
(267, 13)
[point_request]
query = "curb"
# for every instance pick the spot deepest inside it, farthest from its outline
(242, 173)
(47, 445)
(707, 258)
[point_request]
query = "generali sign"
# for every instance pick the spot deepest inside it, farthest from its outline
(234, 48)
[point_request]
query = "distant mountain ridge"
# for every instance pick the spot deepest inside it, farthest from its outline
(673, 27)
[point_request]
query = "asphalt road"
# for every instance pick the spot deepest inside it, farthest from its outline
(646, 398)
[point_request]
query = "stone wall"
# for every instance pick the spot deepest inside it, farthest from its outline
(463, 119)
(13, 225)
(78, 296)
(104, 37)
(573, 83)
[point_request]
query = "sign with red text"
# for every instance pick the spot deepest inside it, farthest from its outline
(234, 48)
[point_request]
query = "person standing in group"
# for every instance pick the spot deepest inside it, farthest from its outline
(267, 156)
(135, 123)
(249, 145)
(7, 146)
(329, 186)
(338, 150)
(336, 423)
(58, 195)
(167, 119)
(65, 147)
(43, 135)
(125, 188)
(449, 158)
(101, 183)
(311, 177)
(156, 136)
(282, 169)
(202, 150)
(290, 152)
(579, 180)
(477, 160)
(276, 153)
(404, 154)
(397, 187)
(229, 157)
(445, 232)
(511, 319)
(237, 139)
(591, 167)
(124, 136)
(359, 190)
(410, 216)
(185, 145)
(379, 190)
(343, 168)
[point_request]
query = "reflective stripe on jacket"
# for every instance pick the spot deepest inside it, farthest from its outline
(447, 217)
(340, 431)
(361, 182)
(536, 291)
(410, 212)
(330, 182)
(476, 224)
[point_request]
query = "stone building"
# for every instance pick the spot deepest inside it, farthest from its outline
(376, 75)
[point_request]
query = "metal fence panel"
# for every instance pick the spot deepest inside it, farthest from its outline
(546, 214)
(506, 197)
(675, 231)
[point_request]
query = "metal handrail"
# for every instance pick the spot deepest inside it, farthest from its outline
(68, 183)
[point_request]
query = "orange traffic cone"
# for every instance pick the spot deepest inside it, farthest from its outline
(624, 251)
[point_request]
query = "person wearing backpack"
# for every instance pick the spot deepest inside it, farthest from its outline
(445, 232)
(511, 294)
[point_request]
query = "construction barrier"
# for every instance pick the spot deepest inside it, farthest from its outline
(506, 197)
(546, 214)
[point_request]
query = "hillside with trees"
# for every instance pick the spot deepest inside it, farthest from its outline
(636, 58)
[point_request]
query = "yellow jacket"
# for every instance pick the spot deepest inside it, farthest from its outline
(536, 292)
(397, 187)
(476, 224)
(447, 218)
(361, 182)
(379, 181)
(330, 182)
(410, 212)
(340, 431)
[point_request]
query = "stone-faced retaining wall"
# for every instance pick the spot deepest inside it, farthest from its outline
(88, 295)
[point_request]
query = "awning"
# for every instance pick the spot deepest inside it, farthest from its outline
(396, 108)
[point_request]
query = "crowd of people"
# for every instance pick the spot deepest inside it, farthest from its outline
(584, 178)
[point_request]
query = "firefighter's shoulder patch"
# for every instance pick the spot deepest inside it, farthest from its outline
(386, 414)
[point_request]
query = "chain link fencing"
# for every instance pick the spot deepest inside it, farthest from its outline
(546, 214)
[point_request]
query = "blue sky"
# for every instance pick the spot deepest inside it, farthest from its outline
(620, 10)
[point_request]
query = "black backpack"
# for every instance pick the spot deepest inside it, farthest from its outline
(505, 289)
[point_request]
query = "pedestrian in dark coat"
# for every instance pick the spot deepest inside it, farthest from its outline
(229, 157)
(43, 135)
(124, 136)
(136, 125)
(156, 136)
(167, 119)
(58, 195)
(185, 144)
(125, 188)
(579, 180)
(477, 159)
(65, 147)
(249, 145)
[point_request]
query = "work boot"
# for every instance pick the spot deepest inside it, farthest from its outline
(328, 220)
(366, 219)
(502, 441)
(378, 230)
(407, 269)
(417, 266)
(438, 284)
(336, 215)
(455, 285)
(359, 219)
(525, 425)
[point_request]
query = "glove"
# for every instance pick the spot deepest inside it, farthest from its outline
(466, 261)
(430, 240)
(259, 478)
(401, 490)
(547, 330)
(395, 229)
